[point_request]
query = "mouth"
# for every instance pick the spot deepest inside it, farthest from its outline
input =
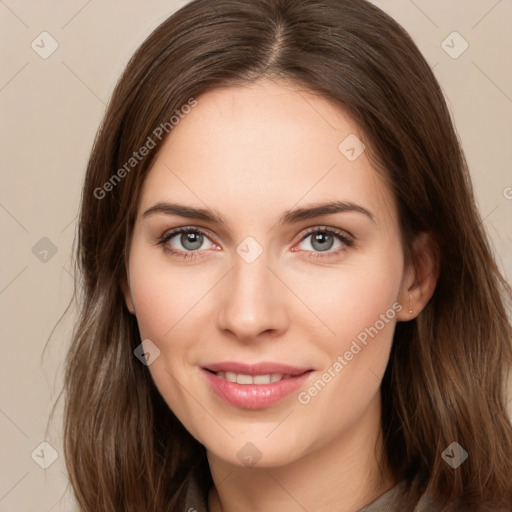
(254, 386)
(244, 379)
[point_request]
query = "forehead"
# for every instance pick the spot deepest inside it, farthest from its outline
(266, 145)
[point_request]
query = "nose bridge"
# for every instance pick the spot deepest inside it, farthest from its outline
(253, 302)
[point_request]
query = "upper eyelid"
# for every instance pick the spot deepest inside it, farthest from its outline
(336, 231)
(171, 233)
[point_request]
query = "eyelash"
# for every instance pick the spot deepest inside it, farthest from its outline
(346, 240)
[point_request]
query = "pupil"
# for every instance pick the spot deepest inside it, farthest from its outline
(191, 240)
(323, 238)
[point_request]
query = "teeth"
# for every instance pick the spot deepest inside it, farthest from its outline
(241, 378)
(244, 379)
(261, 379)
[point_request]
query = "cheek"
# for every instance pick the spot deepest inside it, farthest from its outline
(352, 299)
(357, 308)
(166, 299)
(167, 303)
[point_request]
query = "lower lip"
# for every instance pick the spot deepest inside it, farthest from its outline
(254, 396)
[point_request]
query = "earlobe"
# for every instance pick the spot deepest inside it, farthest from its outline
(125, 287)
(420, 278)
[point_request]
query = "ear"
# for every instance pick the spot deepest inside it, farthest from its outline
(420, 277)
(125, 287)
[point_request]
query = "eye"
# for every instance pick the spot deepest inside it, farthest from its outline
(190, 242)
(323, 240)
(190, 239)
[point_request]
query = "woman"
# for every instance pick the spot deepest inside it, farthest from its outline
(288, 300)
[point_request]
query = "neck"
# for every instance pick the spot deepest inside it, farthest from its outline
(341, 475)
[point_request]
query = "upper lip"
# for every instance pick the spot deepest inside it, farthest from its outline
(262, 368)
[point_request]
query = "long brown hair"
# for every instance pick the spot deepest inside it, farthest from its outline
(125, 450)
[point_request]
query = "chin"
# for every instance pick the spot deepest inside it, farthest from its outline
(255, 450)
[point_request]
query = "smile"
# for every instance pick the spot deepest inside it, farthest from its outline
(241, 378)
(254, 386)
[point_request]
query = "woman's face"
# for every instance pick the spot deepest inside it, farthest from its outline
(303, 322)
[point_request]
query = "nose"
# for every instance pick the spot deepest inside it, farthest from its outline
(253, 302)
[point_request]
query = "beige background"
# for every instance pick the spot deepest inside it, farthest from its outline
(50, 110)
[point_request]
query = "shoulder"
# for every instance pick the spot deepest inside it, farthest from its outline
(393, 499)
(194, 499)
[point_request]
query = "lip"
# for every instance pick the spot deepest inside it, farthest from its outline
(255, 396)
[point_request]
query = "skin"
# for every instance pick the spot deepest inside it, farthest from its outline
(250, 153)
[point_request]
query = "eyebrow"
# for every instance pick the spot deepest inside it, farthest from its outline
(289, 217)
